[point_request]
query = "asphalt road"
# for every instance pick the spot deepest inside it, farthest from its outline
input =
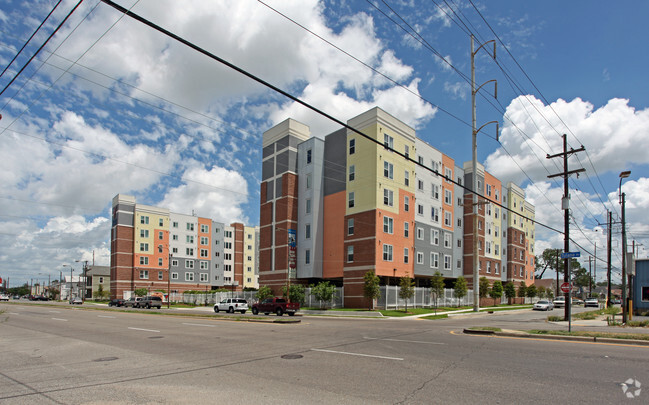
(76, 356)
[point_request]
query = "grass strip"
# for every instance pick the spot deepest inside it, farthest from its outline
(612, 335)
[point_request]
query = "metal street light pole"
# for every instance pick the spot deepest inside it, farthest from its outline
(625, 305)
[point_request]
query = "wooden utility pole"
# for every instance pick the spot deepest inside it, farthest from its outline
(565, 205)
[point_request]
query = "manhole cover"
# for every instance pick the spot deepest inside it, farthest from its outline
(292, 356)
(155, 337)
(106, 359)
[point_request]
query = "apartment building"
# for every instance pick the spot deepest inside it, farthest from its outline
(334, 207)
(156, 249)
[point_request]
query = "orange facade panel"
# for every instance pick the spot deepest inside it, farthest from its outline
(334, 235)
(401, 264)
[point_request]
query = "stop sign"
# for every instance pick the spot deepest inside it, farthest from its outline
(566, 287)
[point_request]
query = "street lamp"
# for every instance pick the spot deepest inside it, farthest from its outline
(625, 305)
(70, 289)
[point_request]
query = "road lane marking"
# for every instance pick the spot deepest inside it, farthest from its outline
(407, 341)
(13, 313)
(60, 319)
(56, 312)
(198, 324)
(105, 316)
(550, 340)
(145, 330)
(357, 354)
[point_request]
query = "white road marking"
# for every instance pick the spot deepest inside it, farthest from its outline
(56, 312)
(407, 341)
(358, 354)
(199, 324)
(145, 330)
(105, 316)
(60, 319)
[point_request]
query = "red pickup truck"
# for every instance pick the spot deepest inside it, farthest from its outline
(277, 305)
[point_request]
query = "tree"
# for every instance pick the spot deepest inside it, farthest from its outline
(582, 277)
(371, 287)
(522, 290)
(407, 289)
(264, 292)
(484, 287)
(541, 292)
(141, 292)
(101, 294)
(510, 291)
(460, 288)
(295, 293)
(437, 287)
(531, 291)
(496, 291)
(547, 260)
(323, 291)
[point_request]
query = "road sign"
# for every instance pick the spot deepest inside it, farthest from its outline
(568, 255)
(566, 287)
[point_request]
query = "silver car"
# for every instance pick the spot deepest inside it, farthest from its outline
(543, 305)
(591, 302)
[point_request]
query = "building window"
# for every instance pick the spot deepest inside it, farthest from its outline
(174, 276)
(352, 146)
(447, 262)
(448, 197)
(489, 194)
(160, 261)
(420, 233)
(435, 191)
(388, 170)
(307, 256)
(350, 200)
(420, 185)
(144, 247)
(160, 275)
(406, 178)
(388, 141)
(307, 231)
(496, 270)
(420, 258)
(160, 248)
(144, 260)
(350, 226)
(189, 276)
(352, 172)
(420, 209)
(205, 253)
(387, 253)
(448, 218)
(308, 181)
(144, 274)
(406, 151)
(350, 254)
(174, 237)
(459, 243)
(434, 260)
(488, 247)
(405, 255)
(190, 226)
(388, 196)
(189, 251)
(308, 156)
(488, 267)
(189, 264)
(448, 173)
(174, 263)
(447, 240)
(101, 280)
(175, 225)
(388, 225)
(406, 203)
(174, 250)
(308, 206)
(459, 222)
(161, 222)
(144, 233)
(434, 237)
(434, 214)
(189, 239)
(406, 227)
(160, 235)
(204, 240)
(144, 220)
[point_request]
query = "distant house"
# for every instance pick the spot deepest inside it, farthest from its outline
(97, 275)
(548, 284)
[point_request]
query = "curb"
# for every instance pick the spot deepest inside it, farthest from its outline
(593, 339)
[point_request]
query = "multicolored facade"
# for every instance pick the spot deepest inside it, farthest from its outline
(337, 206)
(156, 249)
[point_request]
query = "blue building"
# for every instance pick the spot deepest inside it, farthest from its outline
(641, 287)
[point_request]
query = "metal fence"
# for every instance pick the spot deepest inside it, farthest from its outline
(250, 296)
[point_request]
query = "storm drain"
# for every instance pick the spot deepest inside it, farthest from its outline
(292, 356)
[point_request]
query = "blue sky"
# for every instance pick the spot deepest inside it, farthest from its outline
(111, 106)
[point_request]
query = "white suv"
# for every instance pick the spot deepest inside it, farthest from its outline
(232, 305)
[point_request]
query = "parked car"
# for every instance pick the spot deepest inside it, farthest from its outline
(39, 298)
(76, 300)
(116, 302)
(615, 301)
(543, 305)
(279, 306)
(577, 301)
(559, 302)
(151, 301)
(16, 297)
(4, 297)
(133, 302)
(232, 305)
(591, 302)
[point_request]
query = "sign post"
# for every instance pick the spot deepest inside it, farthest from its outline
(568, 255)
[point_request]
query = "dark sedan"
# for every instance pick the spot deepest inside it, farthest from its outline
(116, 302)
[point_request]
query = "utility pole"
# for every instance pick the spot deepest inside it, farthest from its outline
(608, 262)
(625, 304)
(474, 174)
(557, 268)
(590, 279)
(565, 205)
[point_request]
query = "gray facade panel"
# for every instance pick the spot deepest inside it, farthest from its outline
(270, 190)
(267, 169)
(281, 161)
(268, 150)
(282, 143)
(335, 162)
(278, 187)
(426, 247)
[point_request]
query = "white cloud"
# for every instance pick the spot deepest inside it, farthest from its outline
(614, 136)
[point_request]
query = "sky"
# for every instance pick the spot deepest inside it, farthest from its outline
(110, 106)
